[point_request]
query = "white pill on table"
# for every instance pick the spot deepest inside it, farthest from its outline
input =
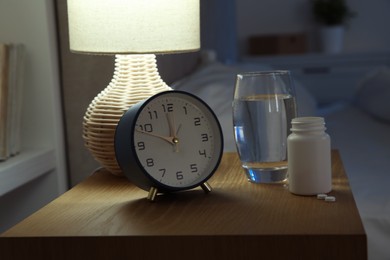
(321, 196)
(330, 198)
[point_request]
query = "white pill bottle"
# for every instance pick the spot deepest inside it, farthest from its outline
(309, 157)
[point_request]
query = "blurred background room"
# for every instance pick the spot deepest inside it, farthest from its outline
(346, 84)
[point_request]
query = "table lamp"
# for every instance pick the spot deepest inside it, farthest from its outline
(134, 31)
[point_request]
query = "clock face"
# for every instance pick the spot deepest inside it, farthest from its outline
(177, 140)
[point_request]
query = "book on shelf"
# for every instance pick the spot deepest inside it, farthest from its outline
(11, 93)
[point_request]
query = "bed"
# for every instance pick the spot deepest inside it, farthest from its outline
(359, 128)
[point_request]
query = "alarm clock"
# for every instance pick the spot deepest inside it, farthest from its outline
(169, 142)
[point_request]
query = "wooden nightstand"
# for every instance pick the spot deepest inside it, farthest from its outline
(106, 217)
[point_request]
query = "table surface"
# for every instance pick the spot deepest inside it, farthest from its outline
(109, 216)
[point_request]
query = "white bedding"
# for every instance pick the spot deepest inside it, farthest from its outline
(362, 140)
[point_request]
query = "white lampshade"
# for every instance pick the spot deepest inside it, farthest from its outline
(134, 26)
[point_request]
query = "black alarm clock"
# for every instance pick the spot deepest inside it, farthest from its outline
(170, 142)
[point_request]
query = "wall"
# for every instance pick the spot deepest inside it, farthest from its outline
(32, 23)
(367, 32)
(218, 28)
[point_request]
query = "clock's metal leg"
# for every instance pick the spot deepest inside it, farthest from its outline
(206, 187)
(152, 193)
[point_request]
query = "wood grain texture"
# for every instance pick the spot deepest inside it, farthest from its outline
(106, 217)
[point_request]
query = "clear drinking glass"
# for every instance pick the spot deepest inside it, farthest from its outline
(263, 106)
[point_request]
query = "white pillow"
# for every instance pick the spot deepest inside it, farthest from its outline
(373, 95)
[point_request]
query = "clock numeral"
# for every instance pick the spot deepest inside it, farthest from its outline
(185, 110)
(205, 137)
(150, 162)
(141, 146)
(146, 128)
(197, 121)
(194, 167)
(163, 172)
(179, 175)
(167, 107)
(203, 152)
(153, 114)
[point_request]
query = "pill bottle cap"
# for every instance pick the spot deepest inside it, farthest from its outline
(308, 124)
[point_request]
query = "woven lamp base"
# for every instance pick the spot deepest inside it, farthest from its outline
(135, 78)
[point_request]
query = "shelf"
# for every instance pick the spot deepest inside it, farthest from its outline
(25, 167)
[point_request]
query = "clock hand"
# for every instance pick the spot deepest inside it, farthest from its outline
(178, 128)
(171, 124)
(175, 145)
(176, 140)
(169, 139)
(173, 132)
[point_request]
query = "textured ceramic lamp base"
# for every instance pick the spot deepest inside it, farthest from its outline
(135, 78)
